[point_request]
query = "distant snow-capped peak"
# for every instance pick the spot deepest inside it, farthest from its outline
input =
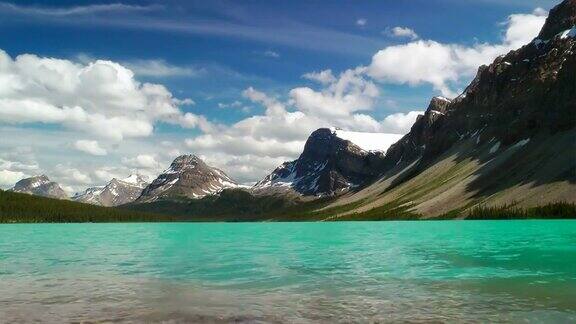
(115, 192)
(40, 186)
(137, 180)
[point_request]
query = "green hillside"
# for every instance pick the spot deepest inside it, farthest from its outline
(240, 206)
(23, 208)
(229, 205)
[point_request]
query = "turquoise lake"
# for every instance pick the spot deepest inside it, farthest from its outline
(445, 271)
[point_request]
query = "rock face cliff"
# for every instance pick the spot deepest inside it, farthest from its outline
(561, 18)
(116, 192)
(508, 139)
(188, 176)
(40, 186)
(329, 164)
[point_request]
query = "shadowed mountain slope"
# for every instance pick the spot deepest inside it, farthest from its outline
(510, 138)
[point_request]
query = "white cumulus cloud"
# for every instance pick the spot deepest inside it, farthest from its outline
(445, 65)
(349, 93)
(102, 98)
(9, 178)
(70, 176)
(399, 31)
(324, 77)
(90, 147)
(146, 161)
(400, 123)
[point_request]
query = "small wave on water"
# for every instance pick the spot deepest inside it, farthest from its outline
(475, 272)
(120, 301)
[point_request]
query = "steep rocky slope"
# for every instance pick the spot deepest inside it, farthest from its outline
(116, 192)
(331, 163)
(510, 138)
(188, 176)
(40, 186)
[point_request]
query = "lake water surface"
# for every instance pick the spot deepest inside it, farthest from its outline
(448, 271)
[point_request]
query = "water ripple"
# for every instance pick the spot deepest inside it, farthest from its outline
(299, 273)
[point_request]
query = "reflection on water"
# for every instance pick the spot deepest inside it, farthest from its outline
(300, 273)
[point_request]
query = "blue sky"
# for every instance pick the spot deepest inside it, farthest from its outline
(235, 60)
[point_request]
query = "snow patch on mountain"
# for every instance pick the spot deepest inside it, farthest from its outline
(368, 141)
(521, 143)
(495, 148)
(40, 186)
(569, 33)
(136, 179)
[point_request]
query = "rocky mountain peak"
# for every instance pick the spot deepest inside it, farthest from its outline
(330, 163)
(187, 176)
(437, 109)
(185, 162)
(41, 186)
(114, 193)
(323, 142)
(187, 159)
(413, 145)
(438, 104)
(561, 18)
(32, 182)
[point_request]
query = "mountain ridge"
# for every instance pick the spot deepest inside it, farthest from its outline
(188, 176)
(40, 185)
(329, 164)
(116, 192)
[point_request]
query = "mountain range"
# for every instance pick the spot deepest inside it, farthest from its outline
(116, 192)
(509, 141)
